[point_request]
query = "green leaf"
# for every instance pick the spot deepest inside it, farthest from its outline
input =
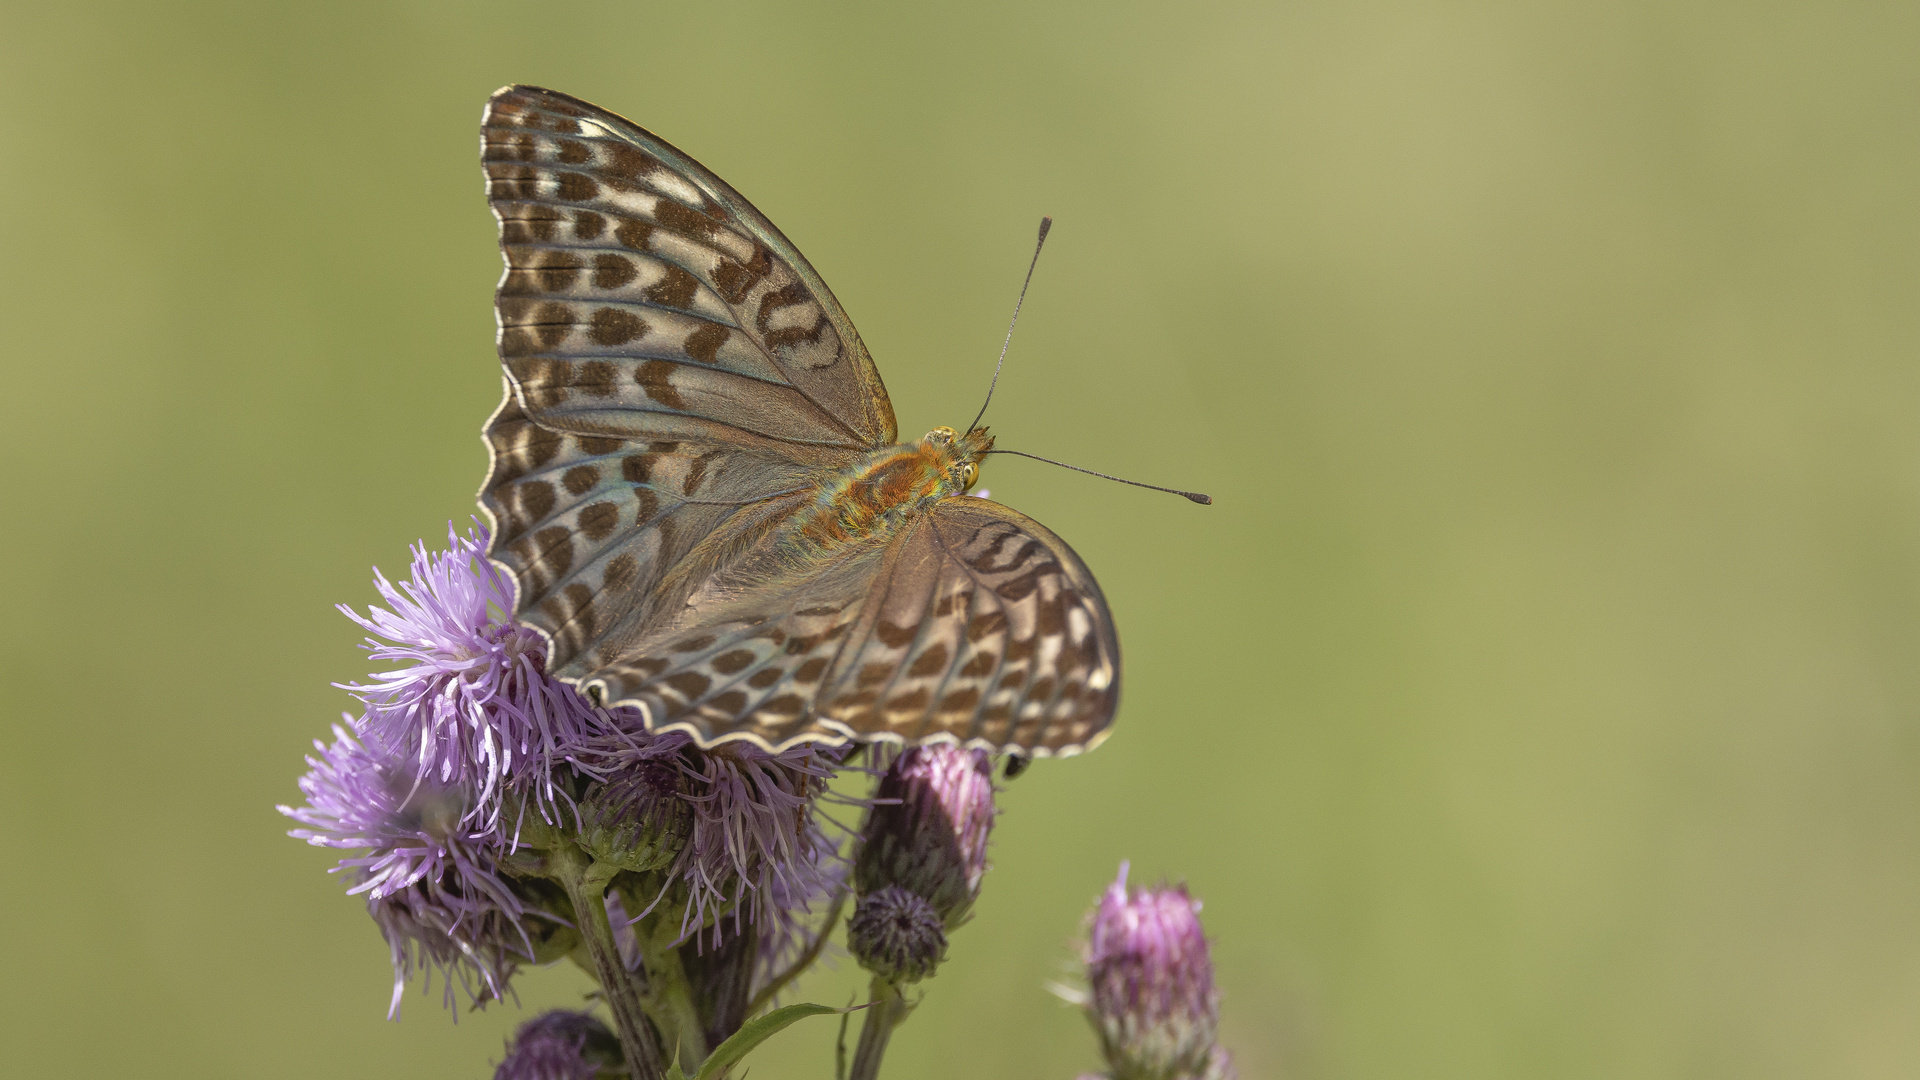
(753, 1034)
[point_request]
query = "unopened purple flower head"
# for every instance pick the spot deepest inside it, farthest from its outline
(1150, 981)
(428, 871)
(561, 1045)
(472, 703)
(896, 934)
(638, 818)
(927, 828)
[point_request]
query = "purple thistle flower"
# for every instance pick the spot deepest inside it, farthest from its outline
(1150, 979)
(472, 704)
(927, 828)
(561, 1045)
(757, 842)
(428, 872)
(757, 852)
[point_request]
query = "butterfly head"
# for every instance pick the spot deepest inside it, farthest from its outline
(960, 454)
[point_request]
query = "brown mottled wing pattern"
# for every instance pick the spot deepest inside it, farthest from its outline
(985, 627)
(593, 527)
(673, 366)
(973, 623)
(643, 296)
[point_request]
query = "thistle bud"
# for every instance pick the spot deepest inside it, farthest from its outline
(897, 935)
(927, 829)
(1151, 995)
(637, 819)
(562, 1045)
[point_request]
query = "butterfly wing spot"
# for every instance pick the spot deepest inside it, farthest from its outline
(688, 684)
(733, 662)
(704, 343)
(675, 289)
(612, 271)
(577, 187)
(598, 520)
(580, 479)
(931, 662)
(610, 327)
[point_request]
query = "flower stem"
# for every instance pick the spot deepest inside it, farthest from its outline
(886, 1012)
(671, 1001)
(586, 886)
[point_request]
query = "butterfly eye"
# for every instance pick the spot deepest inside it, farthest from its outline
(969, 472)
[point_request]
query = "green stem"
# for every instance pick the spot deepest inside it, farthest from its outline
(586, 886)
(886, 1012)
(671, 1000)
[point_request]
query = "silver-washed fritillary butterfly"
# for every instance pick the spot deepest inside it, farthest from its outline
(696, 486)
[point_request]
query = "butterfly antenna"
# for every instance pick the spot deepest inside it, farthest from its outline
(1194, 496)
(1045, 224)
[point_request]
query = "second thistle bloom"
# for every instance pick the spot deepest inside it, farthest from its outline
(562, 1045)
(927, 829)
(1150, 985)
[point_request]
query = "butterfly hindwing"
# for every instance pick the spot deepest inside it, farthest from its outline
(643, 296)
(974, 623)
(986, 628)
(750, 665)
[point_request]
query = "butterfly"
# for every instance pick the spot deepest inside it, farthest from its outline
(696, 486)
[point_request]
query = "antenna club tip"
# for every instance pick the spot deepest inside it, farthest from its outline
(1046, 223)
(1203, 500)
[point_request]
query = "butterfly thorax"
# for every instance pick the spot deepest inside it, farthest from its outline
(887, 487)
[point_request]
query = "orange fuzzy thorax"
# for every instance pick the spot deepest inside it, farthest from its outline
(880, 491)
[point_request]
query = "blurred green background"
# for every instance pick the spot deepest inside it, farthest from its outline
(1539, 698)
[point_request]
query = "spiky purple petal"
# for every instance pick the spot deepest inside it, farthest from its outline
(758, 851)
(428, 871)
(471, 702)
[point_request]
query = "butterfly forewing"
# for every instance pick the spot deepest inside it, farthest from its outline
(681, 386)
(591, 526)
(639, 283)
